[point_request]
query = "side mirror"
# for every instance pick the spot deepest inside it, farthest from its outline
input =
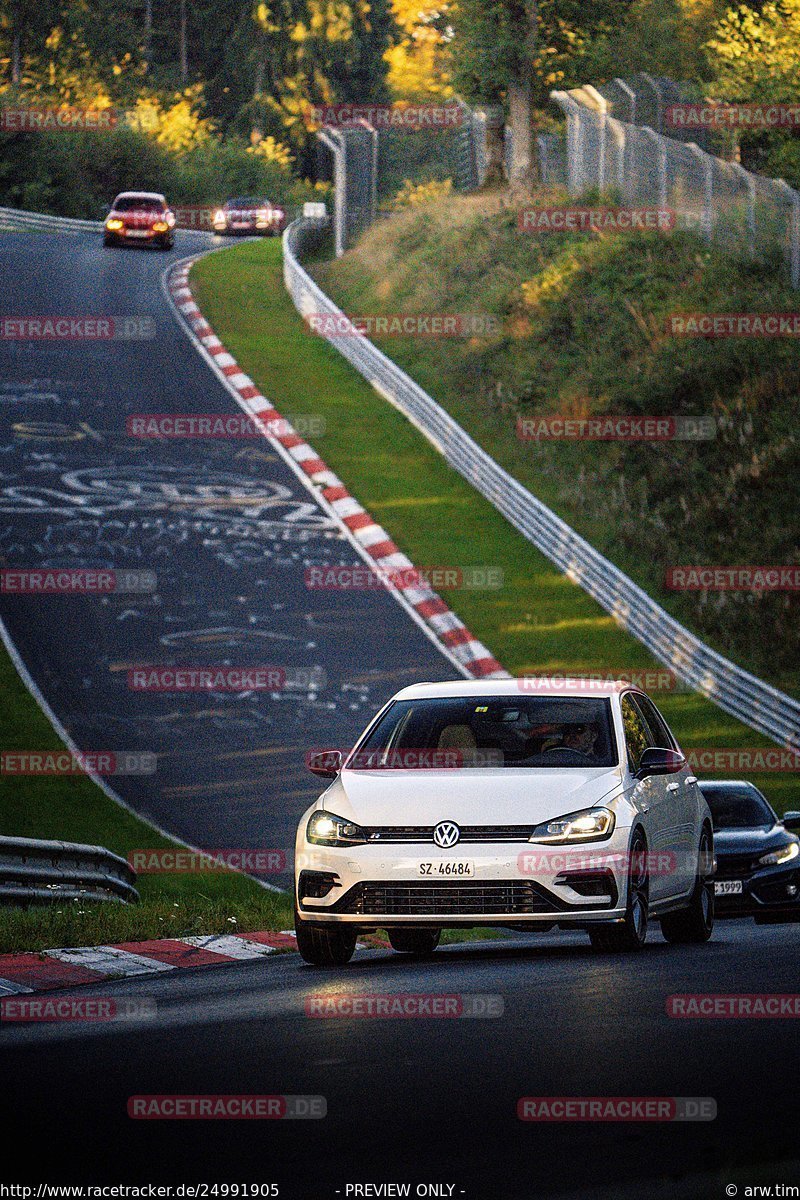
(325, 763)
(791, 820)
(656, 761)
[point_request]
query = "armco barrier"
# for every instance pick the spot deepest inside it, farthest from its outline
(35, 872)
(744, 696)
(11, 218)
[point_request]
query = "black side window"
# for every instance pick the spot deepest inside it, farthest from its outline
(637, 735)
(659, 729)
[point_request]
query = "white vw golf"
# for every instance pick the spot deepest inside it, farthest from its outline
(520, 803)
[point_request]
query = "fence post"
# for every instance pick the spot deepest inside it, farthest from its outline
(544, 163)
(750, 184)
(631, 94)
(574, 113)
(602, 108)
(794, 231)
(575, 156)
(659, 100)
(661, 160)
(470, 141)
(707, 163)
(331, 138)
(620, 137)
(479, 146)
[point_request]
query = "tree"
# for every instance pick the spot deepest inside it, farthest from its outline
(755, 53)
(514, 52)
(663, 37)
(26, 24)
(416, 57)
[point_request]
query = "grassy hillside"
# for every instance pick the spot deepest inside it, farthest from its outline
(583, 333)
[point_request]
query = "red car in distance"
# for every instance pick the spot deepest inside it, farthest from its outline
(140, 217)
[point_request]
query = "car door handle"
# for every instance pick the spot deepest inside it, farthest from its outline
(690, 779)
(672, 787)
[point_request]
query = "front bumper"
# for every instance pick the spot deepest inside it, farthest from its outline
(772, 892)
(251, 229)
(519, 884)
(137, 236)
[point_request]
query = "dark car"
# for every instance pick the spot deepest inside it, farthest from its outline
(249, 215)
(142, 218)
(758, 858)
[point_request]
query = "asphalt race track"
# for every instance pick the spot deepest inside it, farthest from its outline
(228, 531)
(427, 1100)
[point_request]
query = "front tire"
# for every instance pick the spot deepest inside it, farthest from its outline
(419, 942)
(694, 924)
(630, 933)
(323, 946)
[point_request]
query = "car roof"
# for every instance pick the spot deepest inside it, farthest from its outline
(141, 196)
(526, 686)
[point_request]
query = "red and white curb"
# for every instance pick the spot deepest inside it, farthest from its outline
(370, 539)
(75, 967)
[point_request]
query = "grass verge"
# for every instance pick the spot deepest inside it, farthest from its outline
(74, 809)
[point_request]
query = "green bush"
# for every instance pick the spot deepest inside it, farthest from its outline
(77, 174)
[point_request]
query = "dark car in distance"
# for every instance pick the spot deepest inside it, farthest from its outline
(758, 855)
(253, 215)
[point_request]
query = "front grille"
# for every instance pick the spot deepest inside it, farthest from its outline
(469, 833)
(434, 898)
(735, 866)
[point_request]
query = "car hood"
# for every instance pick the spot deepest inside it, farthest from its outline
(141, 218)
(758, 840)
(505, 796)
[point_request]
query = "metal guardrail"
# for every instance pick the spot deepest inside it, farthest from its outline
(11, 217)
(40, 872)
(756, 703)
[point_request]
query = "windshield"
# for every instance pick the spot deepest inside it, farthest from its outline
(138, 204)
(738, 807)
(484, 731)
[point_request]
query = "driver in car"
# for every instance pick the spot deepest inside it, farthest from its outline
(582, 738)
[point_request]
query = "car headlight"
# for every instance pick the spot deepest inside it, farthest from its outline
(589, 825)
(160, 227)
(782, 855)
(114, 223)
(326, 829)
